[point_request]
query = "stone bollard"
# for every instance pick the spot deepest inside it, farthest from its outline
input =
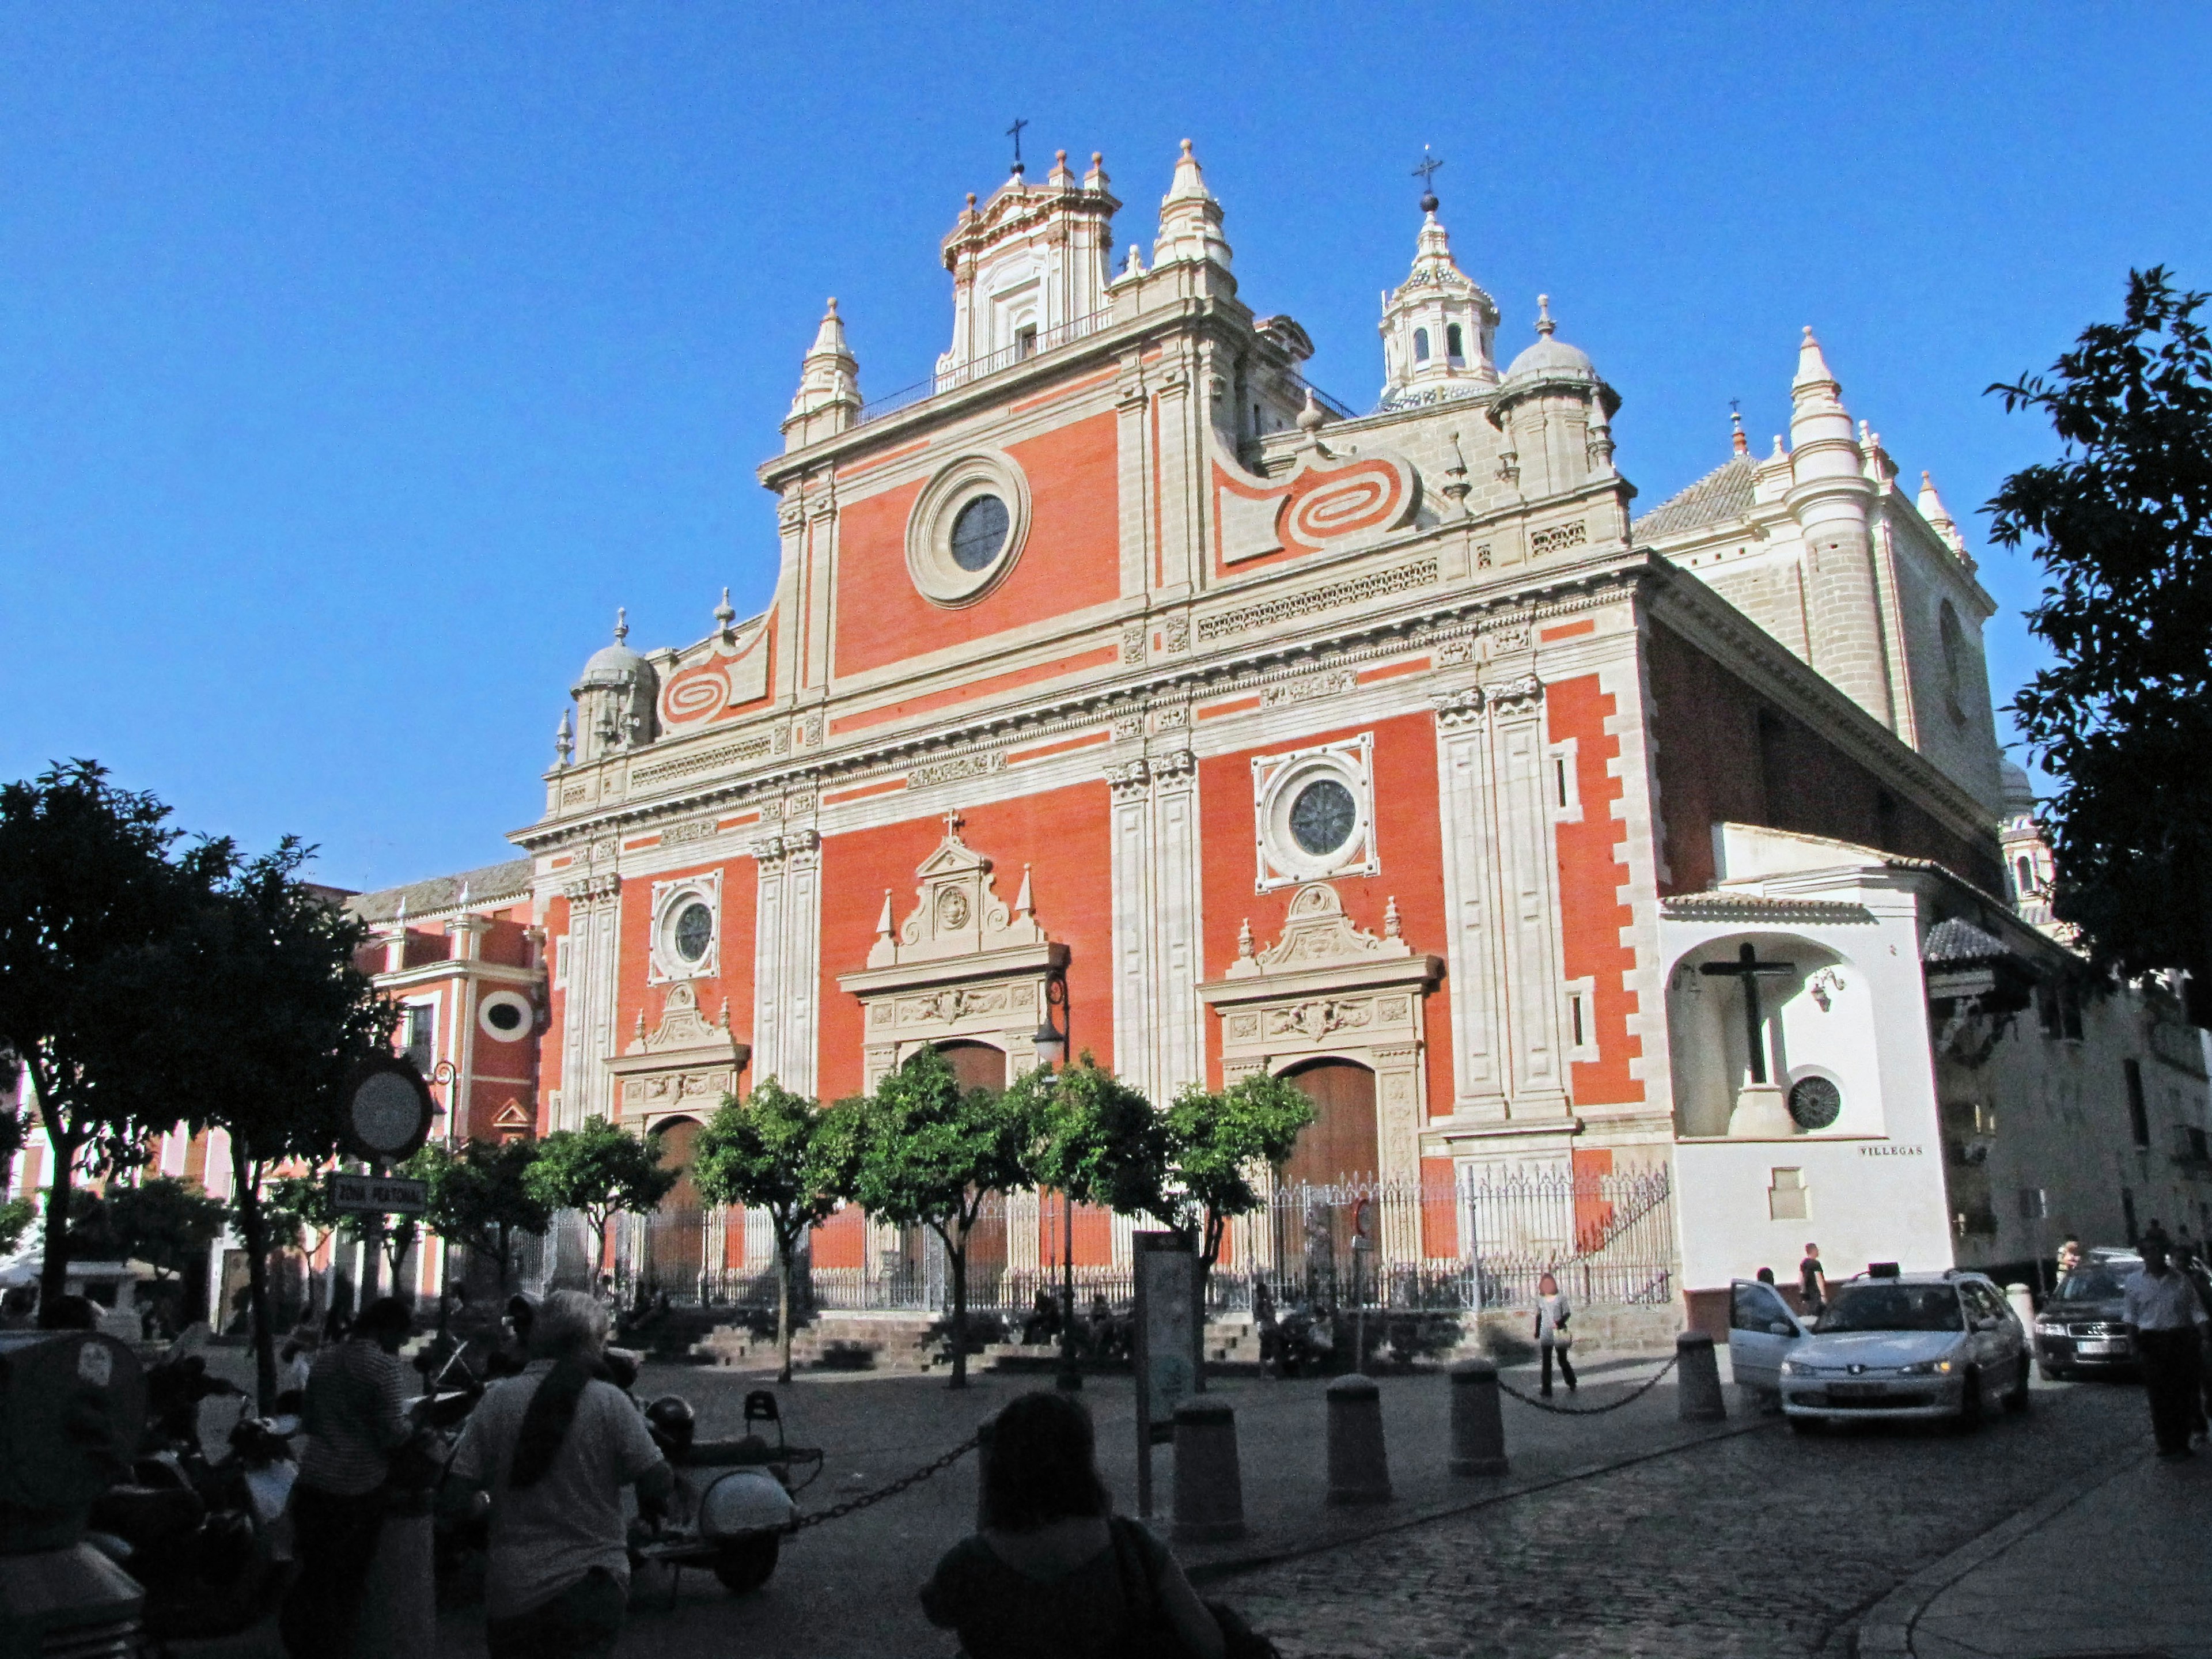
(1477, 1429)
(1358, 1464)
(1209, 1492)
(1699, 1375)
(2023, 1307)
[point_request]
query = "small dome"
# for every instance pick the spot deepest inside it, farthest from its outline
(1549, 356)
(2019, 792)
(615, 664)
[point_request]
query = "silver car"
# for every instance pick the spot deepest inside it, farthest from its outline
(1913, 1346)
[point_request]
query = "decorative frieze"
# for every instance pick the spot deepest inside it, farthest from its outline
(706, 760)
(1330, 596)
(956, 769)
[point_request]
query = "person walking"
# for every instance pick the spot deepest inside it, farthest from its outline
(1054, 1573)
(1812, 1283)
(550, 1450)
(2168, 1319)
(1553, 1337)
(356, 1409)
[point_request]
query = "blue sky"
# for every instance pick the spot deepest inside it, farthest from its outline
(355, 363)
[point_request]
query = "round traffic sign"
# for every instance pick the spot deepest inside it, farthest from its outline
(388, 1110)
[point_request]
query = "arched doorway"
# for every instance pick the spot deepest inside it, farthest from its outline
(675, 1232)
(977, 1064)
(1340, 1144)
(1319, 1214)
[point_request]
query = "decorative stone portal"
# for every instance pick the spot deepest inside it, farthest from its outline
(684, 1066)
(1329, 990)
(962, 968)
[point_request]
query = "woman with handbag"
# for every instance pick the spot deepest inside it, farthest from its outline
(1553, 1337)
(1054, 1573)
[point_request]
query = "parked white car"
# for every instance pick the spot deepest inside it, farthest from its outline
(1910, 1345)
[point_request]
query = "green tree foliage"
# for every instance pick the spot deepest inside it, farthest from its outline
(2121, 523)
(164, 1222)
(783, 1153)
(264, 1039)
(93, 884)
(930, 1153)
(16, 1217)
(1217, 1140)
(1096, 1139)
(480, 1199)
(601, 1172)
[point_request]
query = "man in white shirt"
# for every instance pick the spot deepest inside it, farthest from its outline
(555, 1447)
(2162, 1305)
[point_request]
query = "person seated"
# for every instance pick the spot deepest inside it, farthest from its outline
(1043, 1323)
(1054, 1573)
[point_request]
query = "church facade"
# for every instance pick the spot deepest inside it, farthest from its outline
(1116, 668)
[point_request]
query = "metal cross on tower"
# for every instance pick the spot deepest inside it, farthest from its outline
(1426, 172)
(1014, 132)
(1749, 968)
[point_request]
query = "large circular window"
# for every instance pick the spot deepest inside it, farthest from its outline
(979, 532)
(506, 1015)
(693, 932)
(967, 528)
(1814, 1103)
(1323, 815)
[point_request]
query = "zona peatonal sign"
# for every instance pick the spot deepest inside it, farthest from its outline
(374, 1195)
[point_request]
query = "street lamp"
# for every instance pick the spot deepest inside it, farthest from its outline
(1051, 1043)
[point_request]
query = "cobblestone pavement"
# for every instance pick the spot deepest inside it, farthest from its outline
(1766, 1544)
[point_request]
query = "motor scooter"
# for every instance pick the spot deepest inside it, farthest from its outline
(733, 1505)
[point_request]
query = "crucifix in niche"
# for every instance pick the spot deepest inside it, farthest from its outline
(1759, 1108)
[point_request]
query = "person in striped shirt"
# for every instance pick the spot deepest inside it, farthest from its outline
(356, 1417)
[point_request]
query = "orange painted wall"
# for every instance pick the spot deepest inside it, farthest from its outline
(734, 982)
(550, 1041)
(1063, 835)
(1592, 910)
(1071, 560)
(842, 1240)
(1410, 840)
(1439, 1209)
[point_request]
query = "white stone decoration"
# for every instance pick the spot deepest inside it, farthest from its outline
(664, 962)
(1330, 990)
(963, 965)
(1279, 781)
(592, 965)
(1158, 1022)
(786, 957)
(683, 1068)
(937, 576)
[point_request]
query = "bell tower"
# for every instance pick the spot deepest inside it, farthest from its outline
(1026, 266)
(1439, 329)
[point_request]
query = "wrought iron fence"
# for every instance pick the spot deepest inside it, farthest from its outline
(976, 367)
(1394, 1245)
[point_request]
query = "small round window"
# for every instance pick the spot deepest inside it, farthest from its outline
(1322, 818)
(503, 1017)
(695, 931)
(979, 533)
(1814, 1103)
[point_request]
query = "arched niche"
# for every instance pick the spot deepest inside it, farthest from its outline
(1817, 1020)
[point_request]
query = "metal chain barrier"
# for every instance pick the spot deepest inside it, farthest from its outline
(1636, 1394)
(853, 1505)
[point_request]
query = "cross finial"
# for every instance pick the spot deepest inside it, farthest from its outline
(953, 824)
(1426, 174)
(1014, 132)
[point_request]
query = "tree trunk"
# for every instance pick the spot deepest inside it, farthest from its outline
(247, 1187)
(957, 1258)
(783, 1305)
(53, 1269)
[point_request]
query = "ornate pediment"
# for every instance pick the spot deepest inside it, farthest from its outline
(1316, 933)
(957, 911)
(686, 1063)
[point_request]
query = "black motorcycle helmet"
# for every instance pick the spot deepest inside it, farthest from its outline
(671, 1422)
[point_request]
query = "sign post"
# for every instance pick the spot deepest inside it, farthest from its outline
(1167, 1340)
(387, 1118)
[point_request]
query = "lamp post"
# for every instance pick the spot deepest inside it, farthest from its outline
(1051, 1050)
